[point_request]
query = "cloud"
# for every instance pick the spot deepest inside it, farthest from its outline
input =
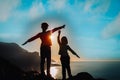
(37, 10)
(56, 4)
(88, 6)
(112, 28)
(6, 8)
(97, 6)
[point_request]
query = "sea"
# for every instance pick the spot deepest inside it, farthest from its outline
(109, 70)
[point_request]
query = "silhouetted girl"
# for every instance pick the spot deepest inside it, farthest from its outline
(65, 58)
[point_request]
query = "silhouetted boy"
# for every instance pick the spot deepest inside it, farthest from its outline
(65, 58)
(45, 49)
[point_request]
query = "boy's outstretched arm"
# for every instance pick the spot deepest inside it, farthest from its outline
(32, 38)
(58, 38)
(73, 52)
(57, 28)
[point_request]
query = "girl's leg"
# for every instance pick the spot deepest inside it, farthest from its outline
(63, 72)
(68, 67)
(63, 68)
(69, 71)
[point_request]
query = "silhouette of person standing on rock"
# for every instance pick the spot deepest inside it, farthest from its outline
(64, 57)
(45, 49)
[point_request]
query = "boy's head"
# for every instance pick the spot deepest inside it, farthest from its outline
(64, 40)
(44, 26)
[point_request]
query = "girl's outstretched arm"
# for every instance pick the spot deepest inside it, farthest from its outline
(73, 52)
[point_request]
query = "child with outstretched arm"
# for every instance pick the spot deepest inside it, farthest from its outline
(64, 57)
(45, 48)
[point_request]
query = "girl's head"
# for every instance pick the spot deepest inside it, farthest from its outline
(64, 40)
(44, 26)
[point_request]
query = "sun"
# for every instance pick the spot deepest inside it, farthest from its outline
(52, 37)
(53, 71)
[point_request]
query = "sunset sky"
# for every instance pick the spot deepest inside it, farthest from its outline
(92, 26)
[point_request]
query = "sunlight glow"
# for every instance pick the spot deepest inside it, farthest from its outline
(53, 71)
(52, 37)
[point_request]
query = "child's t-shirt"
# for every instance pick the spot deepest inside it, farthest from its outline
(45, 38)
(63, 50)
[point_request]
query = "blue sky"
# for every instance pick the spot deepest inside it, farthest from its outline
(92, 26)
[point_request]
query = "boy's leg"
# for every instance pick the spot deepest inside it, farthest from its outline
(42, 59)
(48, 61)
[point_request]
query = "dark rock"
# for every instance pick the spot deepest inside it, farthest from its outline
(10, 71)
(83, 76)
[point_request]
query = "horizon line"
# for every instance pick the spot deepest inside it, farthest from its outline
(110, 60)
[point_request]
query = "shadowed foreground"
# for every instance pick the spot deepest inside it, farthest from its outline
(84, 76)
(15, 64)
(9, 71)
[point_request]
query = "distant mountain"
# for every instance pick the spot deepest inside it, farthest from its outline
(22, 58)
(19, 56)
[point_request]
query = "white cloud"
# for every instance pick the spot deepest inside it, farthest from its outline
(37, 10)
(97, 6)
(88, 5)
(6, 7)
(112, 28)
(56, 4)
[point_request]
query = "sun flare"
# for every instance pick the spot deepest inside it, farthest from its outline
(53, 71)
(52, 37)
